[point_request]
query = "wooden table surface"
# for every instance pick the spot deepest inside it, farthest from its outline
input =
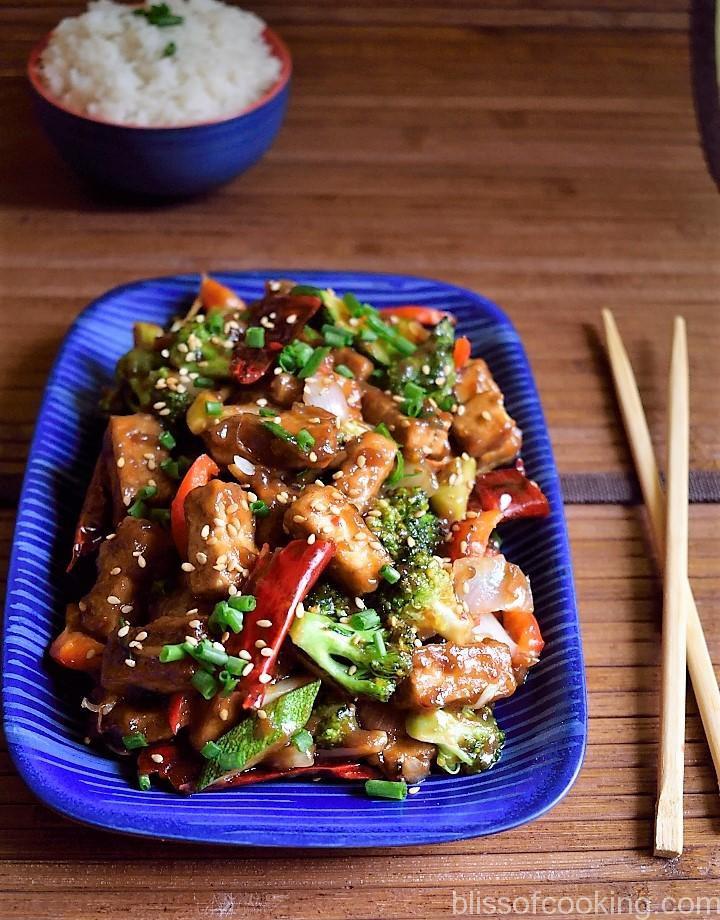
(544, 154)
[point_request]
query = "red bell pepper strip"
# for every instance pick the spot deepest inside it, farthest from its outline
(178, 712)
(346, 771)
(199, 474)
(427, 316)
(76, 650)
(94, 518)
(461, 351)
(279, 582)
(470, 537)
(524, 630)
(180, 768)
(216, 296)
(248, 364)
(511, 492)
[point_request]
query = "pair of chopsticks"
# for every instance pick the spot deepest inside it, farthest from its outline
(683, 639)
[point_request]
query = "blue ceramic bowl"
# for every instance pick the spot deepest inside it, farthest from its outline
(545, 720)
(166, 161)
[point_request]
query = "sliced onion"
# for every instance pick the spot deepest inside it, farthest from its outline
(284, 686)
(360, 743)
(487, 626)
(289, 757)
(244, 465)
(324, 392)
(491, 583)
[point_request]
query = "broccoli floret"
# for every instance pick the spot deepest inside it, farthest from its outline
(331, 602)
(332, 722)
(404, 524)
(424, 598)
(203, 346)
(358, 659)
(431, 367)
(466, 739)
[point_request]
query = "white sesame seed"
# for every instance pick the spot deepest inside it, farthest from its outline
(164, 412)
(187, 567)
(361, 460)
(205, 532)
(248, 669)
(338, 475)
(505, 501)
(142, 562)
(116, 570)
(267, 652)
(159, 405)
(90, 653)
(264, 624)
(352, 669)
(141, 636)
(245, 655)
(291, 319)
(201, 558)
(486, 415)
(195, 624)
(123, 631)
(311, 539)
(82, 606)
(312, 456)
(319, 482)
(232, 590)
(265, 678)
(261, 402)
(120, 463)
(130, 662)
(224, 715)
(413, 790)
(222, 559)
(261, 714)
(360, 603)
(461, 410)
(126, 608)
(191, 640)
(134, 644)
(112, 599)
(277, 371)
(157, 758)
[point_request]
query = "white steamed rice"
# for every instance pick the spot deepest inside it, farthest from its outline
(109, 63)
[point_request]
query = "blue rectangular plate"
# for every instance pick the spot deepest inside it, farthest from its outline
(545, 721)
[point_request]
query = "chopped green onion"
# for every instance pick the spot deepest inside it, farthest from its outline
(302, 740)
(307, 290)
(364, 619)
(279, 432)
(294, 356)
(354, 305)
(412, 407)
(384, 331)
(367, 335)
(210, 750)
(213, 408)
(227, 682)
(236, 666)
(379, 644)
(337, 336)
(172, 653)
(344, 371)
(267, 412)
(255, 337)
(168, 51)
(243, 602)
(383, 429)
(390, 574)
(215, 321)
(205, 684)
(170, 467)
(316, 359)
(224, 617)
(204, 382)
(167, 440)
(160, 15)
(137, 509)
(260, 508)
(143, 782)
(305, 440)
(398, 470)
(207, 652)
(386, 789)
(413, 391)
(134, 741)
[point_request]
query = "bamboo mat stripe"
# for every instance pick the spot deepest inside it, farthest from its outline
(623, 488)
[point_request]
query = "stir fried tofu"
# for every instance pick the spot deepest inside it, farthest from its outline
(482, 425)
(132, 656)
(369, 462)
(445, 674)
(128, 562)
(324, 513)
(403, 757)
(358, 364)
(298, 438)
(221, 537)
(286, 389)
(421, 438)
(136, 458)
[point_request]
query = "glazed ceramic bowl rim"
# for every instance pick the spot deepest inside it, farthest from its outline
(277, 46)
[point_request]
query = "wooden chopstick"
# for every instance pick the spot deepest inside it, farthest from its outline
(671, 762)
(700, 664)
